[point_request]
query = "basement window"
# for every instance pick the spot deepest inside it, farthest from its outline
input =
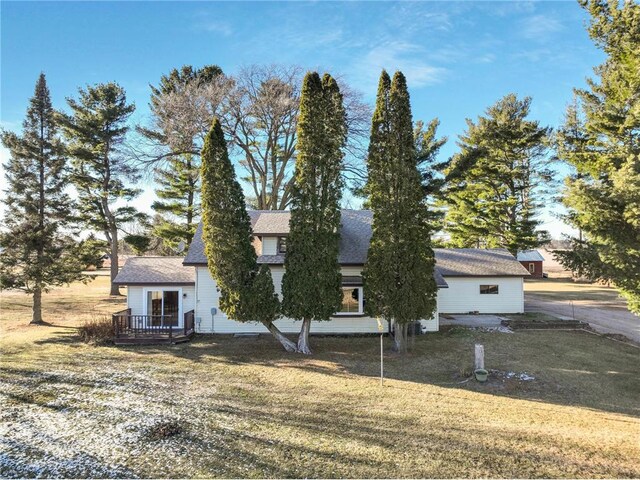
(488, 289)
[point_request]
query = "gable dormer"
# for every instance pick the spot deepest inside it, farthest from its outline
(271, 245)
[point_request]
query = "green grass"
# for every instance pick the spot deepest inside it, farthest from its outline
(240, 407)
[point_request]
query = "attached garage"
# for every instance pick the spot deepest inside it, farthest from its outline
(483, 281)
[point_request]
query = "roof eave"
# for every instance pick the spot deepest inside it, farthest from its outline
(125, 283)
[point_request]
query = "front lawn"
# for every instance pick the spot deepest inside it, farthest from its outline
(240, 407)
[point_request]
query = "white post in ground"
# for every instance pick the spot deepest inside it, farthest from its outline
(479, 356)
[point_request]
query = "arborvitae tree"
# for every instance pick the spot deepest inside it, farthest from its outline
(601, 141)
(178, 130)
(95, 131)
(246, 292)
(36, 252)
(398, 275)
(499, 180)
(311, 286)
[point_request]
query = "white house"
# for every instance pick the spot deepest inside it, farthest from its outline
(180, 293)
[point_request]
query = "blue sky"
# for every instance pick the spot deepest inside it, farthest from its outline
(458, 57)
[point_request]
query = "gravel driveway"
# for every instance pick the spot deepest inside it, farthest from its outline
(602, 318)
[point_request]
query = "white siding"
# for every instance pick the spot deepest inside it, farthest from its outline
(463, 295)
(135, 297)
(219, 323)
(269, 245)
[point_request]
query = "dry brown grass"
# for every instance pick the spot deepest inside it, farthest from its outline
(566, 289)
(240, 407)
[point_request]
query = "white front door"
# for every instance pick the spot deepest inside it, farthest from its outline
(163, 307)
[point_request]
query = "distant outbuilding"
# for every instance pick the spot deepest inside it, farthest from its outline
(533, 261)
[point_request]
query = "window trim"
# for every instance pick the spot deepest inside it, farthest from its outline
(162, 289)
(488, 287)
(360, 311)
(532, 267)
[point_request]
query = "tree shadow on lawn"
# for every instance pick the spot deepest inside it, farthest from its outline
(569, 367)
(478, 449)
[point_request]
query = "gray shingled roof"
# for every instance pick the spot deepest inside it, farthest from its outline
(478, 262)
(155, 271)
(273, 223)
(530, 256)
(355, 235)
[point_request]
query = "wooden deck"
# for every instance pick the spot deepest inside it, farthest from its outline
(151, 329)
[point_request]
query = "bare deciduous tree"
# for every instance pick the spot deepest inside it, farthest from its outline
(258, 109)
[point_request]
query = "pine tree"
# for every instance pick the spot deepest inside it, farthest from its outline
(428, 146)
(601, 141)
(311, 285)
(246, 292)
(36, 252)
(178, 178)
(499, 180)
(398, 275)
(95, 131)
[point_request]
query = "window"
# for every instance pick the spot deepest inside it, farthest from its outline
(488, 289)
(282, 244)
(532, 268)
(351, 301)
(162, 307)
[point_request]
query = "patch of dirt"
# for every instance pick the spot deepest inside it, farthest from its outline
(162, 430)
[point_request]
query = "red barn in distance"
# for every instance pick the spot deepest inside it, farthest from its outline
(532, 261)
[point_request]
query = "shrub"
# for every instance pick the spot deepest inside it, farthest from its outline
(97, 331)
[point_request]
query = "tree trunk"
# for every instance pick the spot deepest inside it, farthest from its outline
(115, 289)
(37, 307)
(287, 344)
(303, 338)
(400, 338)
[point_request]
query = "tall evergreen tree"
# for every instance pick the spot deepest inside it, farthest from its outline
(246, 291)
(499, 180)
(601, 141)
(311, 286)
(398, 275)
(36, 252)
(179, 133)
(428, 146)
(95, 131)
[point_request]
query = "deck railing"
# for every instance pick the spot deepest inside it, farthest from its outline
(126, 324)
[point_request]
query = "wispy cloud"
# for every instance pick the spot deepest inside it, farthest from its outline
(404, 56)
(486, 58)
(414, 17)
(540, 27)
(217, 26)
(204, 20)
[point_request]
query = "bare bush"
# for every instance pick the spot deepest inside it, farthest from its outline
(97, 331)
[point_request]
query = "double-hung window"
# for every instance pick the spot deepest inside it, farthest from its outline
(352, 301)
